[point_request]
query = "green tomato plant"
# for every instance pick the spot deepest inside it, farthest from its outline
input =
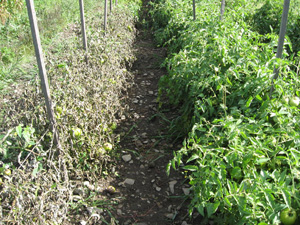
(241, 147)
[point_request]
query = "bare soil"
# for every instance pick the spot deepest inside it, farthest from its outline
(145, 194)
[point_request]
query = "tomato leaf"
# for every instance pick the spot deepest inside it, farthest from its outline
(212, 208)
(287, 197)
(191, 167)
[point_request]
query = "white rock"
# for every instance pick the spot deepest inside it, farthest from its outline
(169, 215)
(186, 191)
(88, 185)
(126, 158)
(158, 188)
(171, 185)
(129, 181)
(119, 212)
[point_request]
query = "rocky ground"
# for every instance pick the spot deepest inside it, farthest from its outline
(144, 192)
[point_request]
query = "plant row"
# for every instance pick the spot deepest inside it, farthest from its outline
(242, 145)
(38, 178)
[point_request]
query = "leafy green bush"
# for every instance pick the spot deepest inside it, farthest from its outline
(267, 19)
(242, 148)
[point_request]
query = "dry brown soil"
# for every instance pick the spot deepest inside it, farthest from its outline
(144, 192)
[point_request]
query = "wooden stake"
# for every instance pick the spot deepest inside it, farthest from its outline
(84, 40)
(282, 32)
(222, 9)
(194, 9)
(105, 14)
(41, 66)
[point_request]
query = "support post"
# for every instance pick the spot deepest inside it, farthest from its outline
(222, 9)
(194, 9)
(282, 32)
(105, 14)
(41, 65)
(84, 40)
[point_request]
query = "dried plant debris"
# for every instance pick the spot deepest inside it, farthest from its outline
(40, 184)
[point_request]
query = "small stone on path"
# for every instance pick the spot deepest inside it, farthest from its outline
(171, 185)
(186, 191)
(126, 158)
(129, 181)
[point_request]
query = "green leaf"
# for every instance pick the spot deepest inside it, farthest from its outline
(249, 102)
(229, 82)
(200, 209)
(236, 173)
(258, 97)
(212, 208)
(287, 197)
(19, 130)
(270, 198)
(37, 169)
(262, 160)
(191, 167)
(282, 177)
(192, 158)
(168, 168)
(227, 202)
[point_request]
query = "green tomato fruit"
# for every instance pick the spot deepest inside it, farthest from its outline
(76, 132)
(107, 146)
(288, 216)
(59, 110)
(294, 101)
(285, 100)
(111, 190)
(7, 172)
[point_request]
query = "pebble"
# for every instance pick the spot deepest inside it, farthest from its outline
(129, 181)
(77, 191)
(76, 198)
(88, 185)
(94, 211)
(126, 158)
(184, 223)
(119, 212)
(186, 191)
(171, 185)
(158, 189)
(169, 215)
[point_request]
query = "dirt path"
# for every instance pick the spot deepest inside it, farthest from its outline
(146, 195)
(144, 192)
(149, 194)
